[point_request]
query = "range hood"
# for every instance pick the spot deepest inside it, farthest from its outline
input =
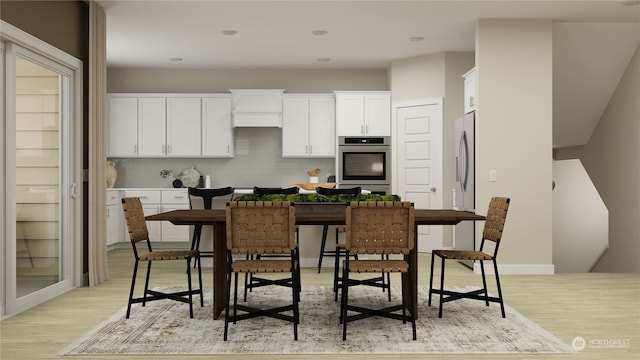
(256, 107)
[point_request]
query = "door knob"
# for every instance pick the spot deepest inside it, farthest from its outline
(433, 189)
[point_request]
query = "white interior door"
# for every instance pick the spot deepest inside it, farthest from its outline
(418, 158)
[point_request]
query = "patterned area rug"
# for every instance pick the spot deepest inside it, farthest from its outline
(467, 327)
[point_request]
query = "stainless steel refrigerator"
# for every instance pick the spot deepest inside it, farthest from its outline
(464, 234)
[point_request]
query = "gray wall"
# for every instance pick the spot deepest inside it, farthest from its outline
(611, 160)
(217, 80)
(429, 76)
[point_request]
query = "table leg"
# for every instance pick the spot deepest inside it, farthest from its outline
(219, 269)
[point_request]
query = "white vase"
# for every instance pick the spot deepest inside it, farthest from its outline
(112, 174)
(313, 179)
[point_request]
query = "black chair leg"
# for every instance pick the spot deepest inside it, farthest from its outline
(431, 278)
(146, 284)
(495, 269)
(226, 313)
(190, 288)
(441, 288)
(325, 229)
(133, 285)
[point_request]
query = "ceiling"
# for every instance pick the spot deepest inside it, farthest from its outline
(372, 34)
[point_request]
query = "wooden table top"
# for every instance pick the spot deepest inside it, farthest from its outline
(307, 214)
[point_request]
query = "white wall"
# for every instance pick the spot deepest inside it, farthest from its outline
(514, 136)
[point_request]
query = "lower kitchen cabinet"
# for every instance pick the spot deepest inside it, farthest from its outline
(115, 218)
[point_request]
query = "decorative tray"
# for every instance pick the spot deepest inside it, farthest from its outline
(313, 186)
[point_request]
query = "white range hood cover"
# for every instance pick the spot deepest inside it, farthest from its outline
(256, 107)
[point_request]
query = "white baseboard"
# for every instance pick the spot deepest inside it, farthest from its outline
(517, 269)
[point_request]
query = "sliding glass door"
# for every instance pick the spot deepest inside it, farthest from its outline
(40, 147)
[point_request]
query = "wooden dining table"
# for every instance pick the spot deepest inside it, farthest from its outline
(306, 214)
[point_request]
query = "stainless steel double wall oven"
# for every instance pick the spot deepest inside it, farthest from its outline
(365, 162)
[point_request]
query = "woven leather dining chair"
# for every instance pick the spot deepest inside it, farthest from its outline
(493, 226)
(251, 281)
(379, 227)
(138, 232)
(378, 281)
(259, 228)
(205, 198)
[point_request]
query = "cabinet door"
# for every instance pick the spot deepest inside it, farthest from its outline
(154, 227)
(378, 115)
(217, 132)
(295, 127)
(350, 114)
(152, 127)
(174, 233)
(322, 127)
(115, 223)
(470, 91)
(123, 127)
(183, 127)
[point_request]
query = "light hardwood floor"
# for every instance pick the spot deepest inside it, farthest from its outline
(596, 307)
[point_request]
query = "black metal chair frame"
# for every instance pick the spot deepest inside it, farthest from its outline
(152, 295)
(337, 279)
(387, 312)
(207, 196)
(251, 281)
(480, 256)
(251, 312)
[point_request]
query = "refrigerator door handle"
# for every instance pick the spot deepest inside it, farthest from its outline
(464, 166)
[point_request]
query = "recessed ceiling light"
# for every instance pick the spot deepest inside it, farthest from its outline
(175, 59)
(416, 38)
(324, 59)
(229, 32)
(319, 32)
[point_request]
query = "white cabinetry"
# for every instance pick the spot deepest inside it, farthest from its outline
(115, 217)
(123, 127)
(160, 200)
(170, 125)
(308, 125)
(183, 127)
(470, 91)
(363, 113)
(152, 131)
(217, 130)
(174, 200)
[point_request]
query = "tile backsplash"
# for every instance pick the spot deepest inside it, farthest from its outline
(258, 162)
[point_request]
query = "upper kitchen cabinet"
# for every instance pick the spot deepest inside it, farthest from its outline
(470, 91)
(152, 130)
(308, 125)
(170, 125)
(183, 127)
(363, 113)
(217, 128)
(123, 127)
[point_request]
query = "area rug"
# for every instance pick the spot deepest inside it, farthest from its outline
(467, 327)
